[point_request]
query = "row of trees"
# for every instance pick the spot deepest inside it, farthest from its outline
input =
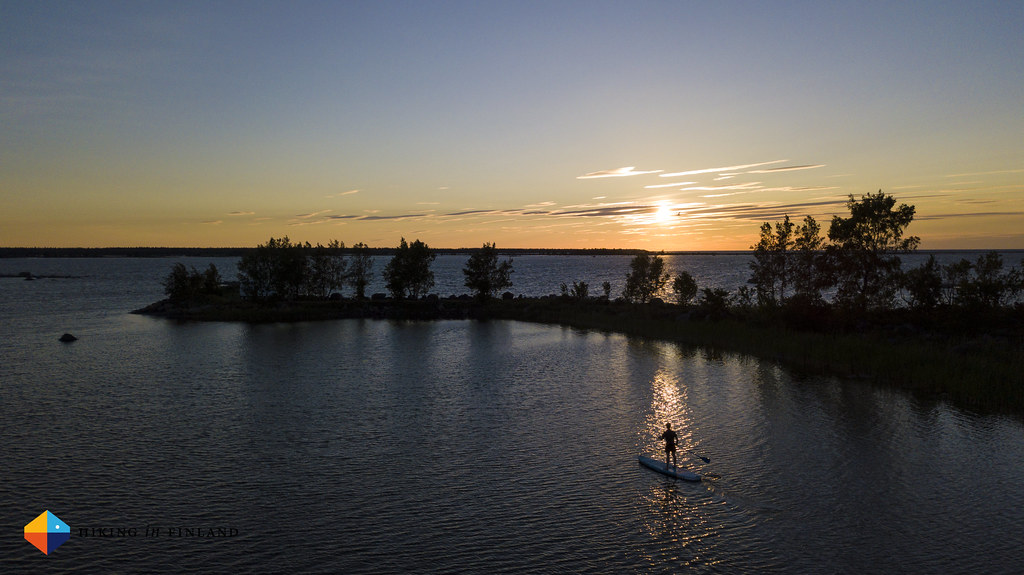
(794, 263)
(860, 267)
(857, 267)
(859, 264)
(281, 269)
(184, 284)
(982, 283)
(648, 279)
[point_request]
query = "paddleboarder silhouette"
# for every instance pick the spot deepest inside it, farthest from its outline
(670, 444)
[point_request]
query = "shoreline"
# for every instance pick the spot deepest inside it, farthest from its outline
(982, 371)
(178, 252)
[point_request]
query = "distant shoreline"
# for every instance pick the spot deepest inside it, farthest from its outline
(239, 252)
(142, 252)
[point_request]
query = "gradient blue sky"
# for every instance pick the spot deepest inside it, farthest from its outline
(660, 125)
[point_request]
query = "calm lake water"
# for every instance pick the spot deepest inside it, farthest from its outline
(362, 446)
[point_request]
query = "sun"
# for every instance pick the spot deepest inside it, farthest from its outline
(663, 214)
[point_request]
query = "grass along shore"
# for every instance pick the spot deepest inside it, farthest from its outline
(975, 368)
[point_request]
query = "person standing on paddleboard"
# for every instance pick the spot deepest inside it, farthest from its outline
(670, 444)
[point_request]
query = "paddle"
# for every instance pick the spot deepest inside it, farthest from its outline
(704, 459)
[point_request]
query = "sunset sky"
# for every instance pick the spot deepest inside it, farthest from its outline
(659, 125)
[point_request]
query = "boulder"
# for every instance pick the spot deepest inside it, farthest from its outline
(68, 338)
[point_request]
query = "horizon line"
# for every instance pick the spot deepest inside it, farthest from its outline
(449, 249)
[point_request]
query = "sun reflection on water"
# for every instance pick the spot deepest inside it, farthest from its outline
(682, 522)
(679, 518)
(669, 404)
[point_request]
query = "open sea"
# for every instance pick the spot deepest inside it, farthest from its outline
(465, 447)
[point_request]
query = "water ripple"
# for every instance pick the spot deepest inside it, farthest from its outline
(496, 447)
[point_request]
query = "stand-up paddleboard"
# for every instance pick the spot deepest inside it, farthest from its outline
(659, 466)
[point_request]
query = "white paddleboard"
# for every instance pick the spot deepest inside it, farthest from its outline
(676, 472)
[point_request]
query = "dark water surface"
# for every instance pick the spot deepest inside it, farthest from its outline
(363, 446)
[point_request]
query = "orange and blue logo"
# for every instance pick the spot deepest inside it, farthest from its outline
(47, 532)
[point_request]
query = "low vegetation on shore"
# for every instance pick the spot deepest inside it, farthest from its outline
(844, 306)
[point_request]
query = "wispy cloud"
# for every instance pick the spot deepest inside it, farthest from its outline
(787, 169)
(241, 213)
(607, 211)
(672, 185)
(967, 215)
(726, 194)
(616, 173)
(758, 212)
(799, 189)
(470, 212)
(341, 194)
(720, 170)
(746, 186)
(660, 210)
(985, 173)
(398, 217)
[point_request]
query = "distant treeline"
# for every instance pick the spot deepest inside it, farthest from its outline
(121, 252)
(240, 252)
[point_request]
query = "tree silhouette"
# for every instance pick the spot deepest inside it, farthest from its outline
(360, 269)
(923, 284)
(646, 278)
(484, 275)
(685, 287)
(808, 270)
(982, 283)
(408, 273)
(327, 268)
(182, 285)
(864, 248)
(275, 269)
(771, 266)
